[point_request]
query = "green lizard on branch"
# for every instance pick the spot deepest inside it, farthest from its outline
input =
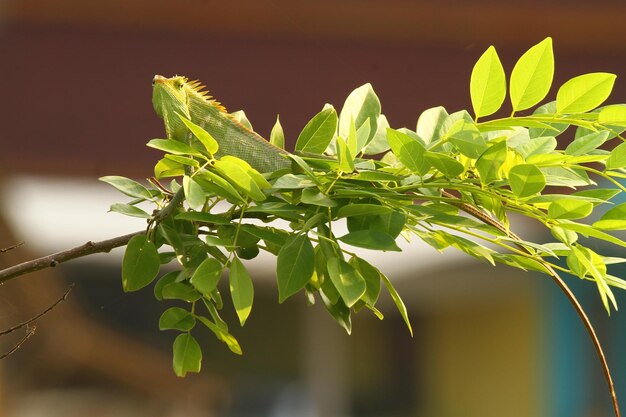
(178, 96)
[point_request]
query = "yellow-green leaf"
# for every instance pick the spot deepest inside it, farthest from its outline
(585, 92)
(487, 84)
(532, 75)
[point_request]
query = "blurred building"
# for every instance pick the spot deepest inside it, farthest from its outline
(75, 105)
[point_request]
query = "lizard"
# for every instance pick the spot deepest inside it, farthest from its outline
(177, 95)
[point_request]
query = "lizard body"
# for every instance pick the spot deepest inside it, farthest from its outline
(177, 95)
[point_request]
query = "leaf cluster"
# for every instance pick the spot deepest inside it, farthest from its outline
(452, 181)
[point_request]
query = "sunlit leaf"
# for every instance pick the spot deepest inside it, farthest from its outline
(129, 210)
(489, 163)
(127, 186)
(277, 136)
(613, 219)
(207, 275)
(532, 75)
(567, 208)
(294, 266)
(370, 239)
(347, 280)
(241, 289)
(209, 143)
(487, 84)
(187, 355)
(617, 159)
(429, 123)
(140, 264)
(176, 318)
(318, 132)
(409, 151)
(361, 105)
(585, 144)
(585, 92)
(526, 180)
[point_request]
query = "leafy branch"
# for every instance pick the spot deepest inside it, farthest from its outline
(453, 181)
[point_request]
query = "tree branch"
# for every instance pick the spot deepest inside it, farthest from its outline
(29, 332)
(469, 209)
(32, 319)
(53, 260)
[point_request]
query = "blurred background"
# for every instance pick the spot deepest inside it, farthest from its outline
(75, 87)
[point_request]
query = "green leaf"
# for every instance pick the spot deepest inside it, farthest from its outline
(429, 124)
(617, 159)
(490, 162)
(294, 266)
(467, 139)
(378, 143)
(347, 280)
(532, 75)
(240, 177)
(445, 164)
(215, 184)
(277, 136)
(567, 208)
(613, 219)
(242, 119)
(241, 289)
(127, 186)
(313, 196)
(487, 84)
(202, 217)
(589, 231)
(173, 146)
(222, 335)
(613, 115)
(180, 291)
(361, 105)
(194, 193)
(585, 144)
(168, 168)
(370, 239)
(176, 318)
(346, 159)
(140, 264)
(205, 138)
(363, 137)
(602, 194)
(526, 180)
(537, 146)
(187, 355)
(553, 129)
(318, 132)
(166, 279)
(184, 160)
(409, 151)
(129, 210)
(398, 302)
(293, 181)
(371, 275)
(585, 261)
(339, 311)
(207, 275)
(362, 209)
(585, 92)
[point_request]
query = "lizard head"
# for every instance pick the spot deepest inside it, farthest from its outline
(170, 98)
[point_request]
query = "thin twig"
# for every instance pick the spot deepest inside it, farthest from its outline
(43, 313)
(55, 259)
(29, 332)
(17, 245)
(562, 286)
